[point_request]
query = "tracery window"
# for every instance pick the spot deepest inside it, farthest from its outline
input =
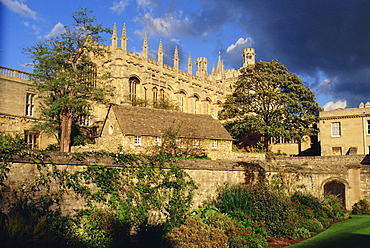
(133, 85)
(30, 104)
(31, 139)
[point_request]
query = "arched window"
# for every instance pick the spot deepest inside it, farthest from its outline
(183, 101)
(209, 103)
(161, 94)
(196, 103)
(133, 85)
(155, 95)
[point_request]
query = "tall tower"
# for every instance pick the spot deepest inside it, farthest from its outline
(249, 56)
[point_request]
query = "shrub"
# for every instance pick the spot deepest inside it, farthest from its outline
(301, 232)
(196, 234)
(333, 208)
(361, 207)
(26, 226)
(235, 197)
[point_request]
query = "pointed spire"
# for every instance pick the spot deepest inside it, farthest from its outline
(176, 59)
(114, 37)
(160, 53)
(124, 39)
(145, 47)
(219, 64)
(190, 65)
(213, 68)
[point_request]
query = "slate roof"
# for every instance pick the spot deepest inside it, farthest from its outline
(152, 122)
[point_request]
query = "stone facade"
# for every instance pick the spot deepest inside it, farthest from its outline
(137, 77)
(345, 131)
(19, 107)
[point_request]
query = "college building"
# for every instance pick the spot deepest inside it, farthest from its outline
(345, 131)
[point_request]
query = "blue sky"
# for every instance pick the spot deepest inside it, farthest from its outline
(326, 43)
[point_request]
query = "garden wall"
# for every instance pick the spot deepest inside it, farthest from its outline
(352, 171)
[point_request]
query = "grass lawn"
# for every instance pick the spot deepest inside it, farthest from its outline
(352, 233)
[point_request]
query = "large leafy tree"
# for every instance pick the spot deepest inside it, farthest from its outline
(65, 76)
(269, 101)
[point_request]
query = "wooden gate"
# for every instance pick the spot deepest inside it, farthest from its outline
(336, 188)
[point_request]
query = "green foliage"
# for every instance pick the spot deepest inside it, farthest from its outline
(361, 207)
(195, 234)
(290, 179)
(9, 146)
(65, 76)
(28, 225)
(140, 195)
(270, 100)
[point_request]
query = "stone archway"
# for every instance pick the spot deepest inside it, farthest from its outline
(336, 188)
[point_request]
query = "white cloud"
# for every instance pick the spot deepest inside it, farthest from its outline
(143, 3)
(20, 8)
(57, 30)
(335, 105)
(119, 7)
(166, 26)
(241, 43)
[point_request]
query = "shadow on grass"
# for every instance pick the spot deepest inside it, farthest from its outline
(352, 233)
(350, 241)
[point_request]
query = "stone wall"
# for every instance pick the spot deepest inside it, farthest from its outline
(209, 175)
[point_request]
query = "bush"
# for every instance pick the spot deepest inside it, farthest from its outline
(26, 226)
(196, 234)
(361, 207)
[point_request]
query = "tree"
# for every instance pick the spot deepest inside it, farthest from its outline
(65, 76)
(271, 101)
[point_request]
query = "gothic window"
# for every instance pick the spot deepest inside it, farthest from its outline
(161, 94)
(31, 139)
(133, 85)
(196, 107)
(209, 102)
(30, 104)
(335, 129)
(137, 141)
(368, 127)
(155, 95)
(182, 101)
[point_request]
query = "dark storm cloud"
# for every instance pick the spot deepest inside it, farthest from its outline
(309, 37)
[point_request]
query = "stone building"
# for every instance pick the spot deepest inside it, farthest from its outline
(345, 131)
(138, 78)
(19, 108)
(137, 129)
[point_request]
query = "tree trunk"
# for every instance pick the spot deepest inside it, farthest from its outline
(65, 137)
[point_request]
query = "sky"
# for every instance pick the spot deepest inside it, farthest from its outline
(325, 42)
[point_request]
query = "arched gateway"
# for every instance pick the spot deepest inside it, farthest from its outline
(336, 188)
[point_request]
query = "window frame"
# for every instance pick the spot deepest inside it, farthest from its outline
(214, 144)
(31, 138)
(30, 104)
(335, 130)
(138, 140)
(158, 141)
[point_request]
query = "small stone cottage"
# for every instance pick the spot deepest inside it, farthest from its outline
(137, 128)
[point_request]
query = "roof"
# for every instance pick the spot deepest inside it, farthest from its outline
(152, 122)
